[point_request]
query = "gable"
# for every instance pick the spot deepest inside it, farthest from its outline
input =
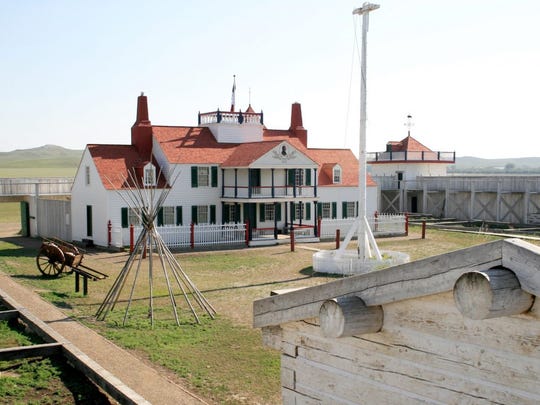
(116, 164)
(284, 155)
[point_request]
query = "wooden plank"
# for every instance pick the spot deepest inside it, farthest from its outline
(523, 259)
(22, 352)
(9, 314)
(423, 277)
(436, 367)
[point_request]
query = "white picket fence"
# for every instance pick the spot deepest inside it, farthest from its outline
(203, 235)
(381, 225)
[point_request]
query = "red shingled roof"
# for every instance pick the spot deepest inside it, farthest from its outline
(197, 145)
(408, 144)
(115, 162)
(346, 160)
(191, 145)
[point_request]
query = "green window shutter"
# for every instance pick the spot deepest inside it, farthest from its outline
(308, 211)
(356, 208)
(293, 212)
(214, 176)
(344, 209)
(308, 177)
(261, 212)
(194, 176)
(319, 210)
(160, 217)
(334, 210)
(124, 217)
(179, 218)
(212, 214)
(194, 214)
(290, 176)
(278, 212)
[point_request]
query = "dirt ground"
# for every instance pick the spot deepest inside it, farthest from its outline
(9, 229)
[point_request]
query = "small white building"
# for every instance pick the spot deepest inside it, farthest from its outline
(458, 328)
(397, 170)
(228, 169)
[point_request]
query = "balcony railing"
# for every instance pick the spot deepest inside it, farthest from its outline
(217, 117)
(269, 191)
(411, 156)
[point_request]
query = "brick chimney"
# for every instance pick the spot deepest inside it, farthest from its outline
(141, 131)
(296, 123)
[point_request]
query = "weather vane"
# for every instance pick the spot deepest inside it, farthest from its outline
(409, 124)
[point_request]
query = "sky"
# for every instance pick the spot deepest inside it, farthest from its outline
(468, 72)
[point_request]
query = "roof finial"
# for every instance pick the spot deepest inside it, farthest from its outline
(233, 93)
(409, 124)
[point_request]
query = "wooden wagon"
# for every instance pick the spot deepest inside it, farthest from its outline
(56, 256)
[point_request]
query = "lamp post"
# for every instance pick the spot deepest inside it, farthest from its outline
(363, 228)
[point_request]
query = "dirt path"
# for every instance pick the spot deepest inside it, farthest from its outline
(145, 380)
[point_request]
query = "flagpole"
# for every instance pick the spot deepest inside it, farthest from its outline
(363, 242)
(233, 96)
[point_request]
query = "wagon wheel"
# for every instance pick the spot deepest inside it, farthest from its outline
(50, 260)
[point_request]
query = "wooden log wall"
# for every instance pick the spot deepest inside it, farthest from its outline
(427, 352)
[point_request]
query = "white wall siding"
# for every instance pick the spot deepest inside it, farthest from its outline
(340, 194)
(410, 170)
(83, 195)
(54, 218)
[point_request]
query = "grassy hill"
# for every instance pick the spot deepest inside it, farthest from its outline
(56, 161)
(44, 161)
(474, 165)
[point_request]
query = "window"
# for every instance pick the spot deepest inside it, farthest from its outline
(234, 213)
(130, 216)
(298, 211)
(299, 177)
(166, 216)
(134, 217)
(203, 176)
(269, 212)
(337, 174)
(326, 210)
(302, 211)
(349, 209)
(87, 175)
(203, 214)
(149, 176)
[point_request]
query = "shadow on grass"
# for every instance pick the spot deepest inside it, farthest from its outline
(27, 247)
(308, 271)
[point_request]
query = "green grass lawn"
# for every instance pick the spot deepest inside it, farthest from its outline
(10, 172)
(221, 359)
(10, 213)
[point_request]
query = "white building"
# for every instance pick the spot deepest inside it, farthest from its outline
(228, 169)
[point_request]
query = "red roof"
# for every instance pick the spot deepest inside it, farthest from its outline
(408, 144)
(114, 164)
(197, 145)
(246, 153)
(346, 160)
(194, 145)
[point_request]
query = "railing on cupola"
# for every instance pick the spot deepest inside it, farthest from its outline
(411, 156)
(217, 117)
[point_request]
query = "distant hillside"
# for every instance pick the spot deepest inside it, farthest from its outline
(47, 156)
(474, 165)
